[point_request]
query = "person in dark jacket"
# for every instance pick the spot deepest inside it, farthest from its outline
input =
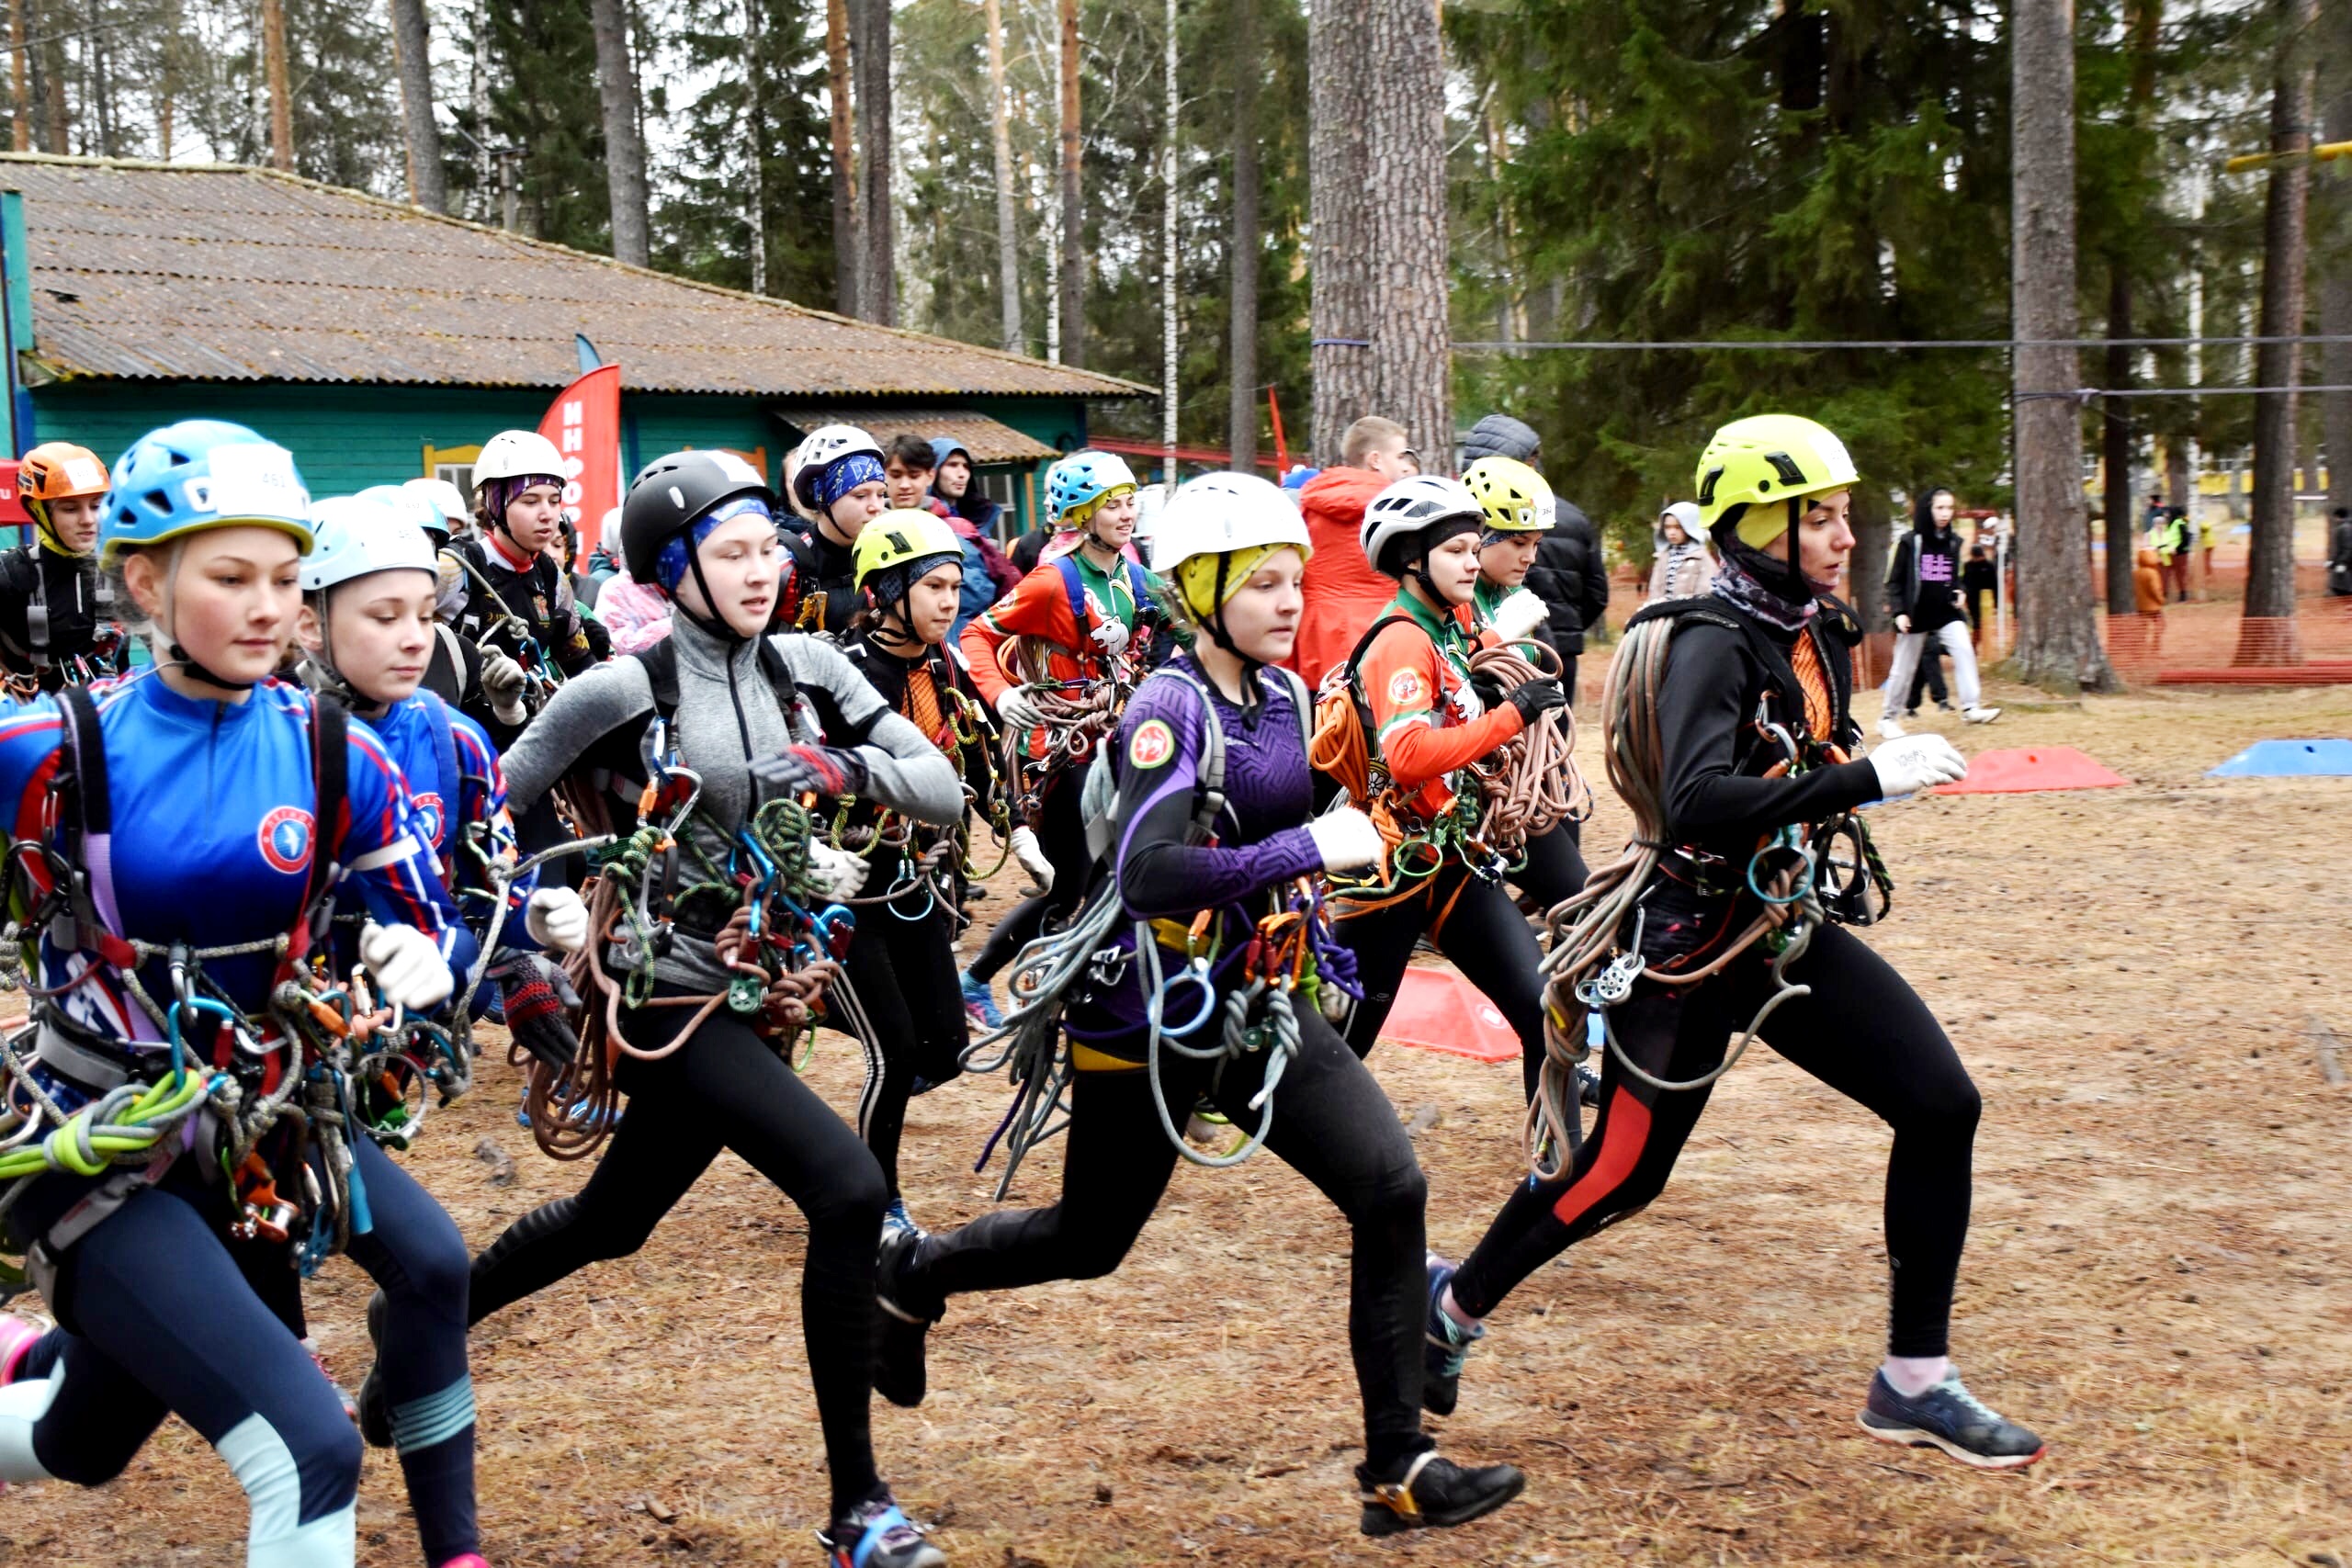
(1923, 595)
(1980, 583)
(1500, 436)
(1571, 579)
(989, 573)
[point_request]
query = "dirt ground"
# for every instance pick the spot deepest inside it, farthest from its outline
(2159, 1277)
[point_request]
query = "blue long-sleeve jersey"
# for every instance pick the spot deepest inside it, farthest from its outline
(456, 785)
(212, 834)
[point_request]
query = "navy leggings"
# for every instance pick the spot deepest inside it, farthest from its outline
(168, 1323)
(1554, 868)
(904, 974)
(1863, 1032)
(1061, 836)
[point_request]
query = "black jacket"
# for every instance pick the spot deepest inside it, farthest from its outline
(79, 622)
(1926, 597)
(1570, 577)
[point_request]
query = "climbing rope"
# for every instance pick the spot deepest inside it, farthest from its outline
(1530, 784)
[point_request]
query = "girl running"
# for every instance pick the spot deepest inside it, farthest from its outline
(1410, 677)
(1718, 920)
(179, 834)
(752, 719)
(1235, 549)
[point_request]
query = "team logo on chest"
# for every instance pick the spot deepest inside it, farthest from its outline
(428, 807)
(285, 839)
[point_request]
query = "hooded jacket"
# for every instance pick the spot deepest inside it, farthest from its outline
(1683, 570)
(1923, 577)
(1570, 577)
(1344, 595)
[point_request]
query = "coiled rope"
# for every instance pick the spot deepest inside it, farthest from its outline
(1530, 784)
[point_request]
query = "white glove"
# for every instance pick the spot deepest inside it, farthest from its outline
(1019, 709)
(1111, 636)
(1903, 623)
(501, 682)
(1915, 762)
(557, 918)
(1033, 859)
(838, 872)
(409, 969)
(1520, 614)
(1346, 840)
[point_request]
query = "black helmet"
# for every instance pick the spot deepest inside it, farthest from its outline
(670, 493)
(1500, 436)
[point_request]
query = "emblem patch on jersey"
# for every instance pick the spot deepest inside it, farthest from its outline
(429, 807)
(1152, 743)
(285, 837)
(1404, 687)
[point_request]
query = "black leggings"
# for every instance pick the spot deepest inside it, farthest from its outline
(1332, 1125)
(1554, 868)
(904, 974)
(726, 1089)
(1061, 834)
(1863, 1032)
(1476, 926)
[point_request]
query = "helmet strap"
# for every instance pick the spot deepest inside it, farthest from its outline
(710, 621)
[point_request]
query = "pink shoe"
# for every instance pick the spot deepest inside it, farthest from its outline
(471, 1560)
(350, 1406)
(17, 1336)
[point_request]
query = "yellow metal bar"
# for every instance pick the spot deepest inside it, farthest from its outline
(2247, 161)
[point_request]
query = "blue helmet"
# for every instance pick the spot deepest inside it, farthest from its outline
(199, 474)
(1083, 477)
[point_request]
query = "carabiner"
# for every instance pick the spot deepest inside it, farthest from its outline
(1197, 971)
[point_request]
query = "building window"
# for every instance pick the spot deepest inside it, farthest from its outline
(458, 474)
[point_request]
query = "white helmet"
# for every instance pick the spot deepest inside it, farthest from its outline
(1217, 513)
(360, 535)
(405, 502)
(513, 454)
(824, 446)
(1409, 507)
(447, 502)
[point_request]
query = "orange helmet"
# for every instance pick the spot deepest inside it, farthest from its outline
(57, 470)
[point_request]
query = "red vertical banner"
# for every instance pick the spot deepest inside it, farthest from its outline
(585, 426)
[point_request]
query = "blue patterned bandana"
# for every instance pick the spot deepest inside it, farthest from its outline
(672, 564)
(844, 475)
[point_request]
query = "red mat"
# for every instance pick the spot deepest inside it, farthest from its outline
(1438, 1011)
(2033, 768)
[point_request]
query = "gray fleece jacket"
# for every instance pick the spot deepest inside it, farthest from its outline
(727, 715)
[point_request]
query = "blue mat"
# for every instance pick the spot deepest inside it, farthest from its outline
(2288, 759)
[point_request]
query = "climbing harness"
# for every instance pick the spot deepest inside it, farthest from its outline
(1799, 877)
(541, 674)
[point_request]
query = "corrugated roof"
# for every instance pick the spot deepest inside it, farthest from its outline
(988, 440)
(215, 272)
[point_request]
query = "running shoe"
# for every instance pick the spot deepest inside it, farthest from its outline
(1427, 1492)
(17, 1337)
(896, 1221)
(1980, 714)
(898, 1372)
(1949, 1418)
(471, 1560)
(1891, 727)
(980, 1002)
(1445, 1345)
(877, 1534)
(1587, 1084)
(350, 1406)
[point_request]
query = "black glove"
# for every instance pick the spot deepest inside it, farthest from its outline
(533, 995)
(1535, 698)
(804, 770)
(1489, 690)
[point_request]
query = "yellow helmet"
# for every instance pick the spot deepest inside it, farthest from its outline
(1515, 497)
(899, 537)
(1769, 458)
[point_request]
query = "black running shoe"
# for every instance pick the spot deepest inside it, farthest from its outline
(877, 1534)
(1444, 1345)
(1430, 1493)
(1949, 1418)
(375, 1409)
(898, 1372)
(1587, 1085)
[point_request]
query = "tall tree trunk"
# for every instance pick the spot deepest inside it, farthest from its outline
(478, 96)
(1404, 72)
(413, 52)
(2333, 194)
(281, 91)
(2057, 637)
(49, 40)
(1866, 568)
(20, 123)
(1008, 251)
(1170, 394)
(624, 148)
(1339, 225)
(848, 253)
(101, 89)
(877, 283)
(1072, 281)
(2116, 443)
(755, 111)
(1241, 351)
(2270, 559)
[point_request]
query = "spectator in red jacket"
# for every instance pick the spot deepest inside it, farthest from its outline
(1343, 594)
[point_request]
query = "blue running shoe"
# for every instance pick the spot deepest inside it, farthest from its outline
(1949, 1418)
(1445, 1345)
(877, 1534)
(896, 1221)
(980, 1002)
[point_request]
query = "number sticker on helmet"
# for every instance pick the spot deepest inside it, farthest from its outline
(1152, 744)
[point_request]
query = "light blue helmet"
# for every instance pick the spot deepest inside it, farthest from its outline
(1084, 477)
(199, 474)
(359, 534)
